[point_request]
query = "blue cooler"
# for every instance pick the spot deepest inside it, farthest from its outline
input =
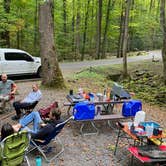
(84, 110)
(131, 108)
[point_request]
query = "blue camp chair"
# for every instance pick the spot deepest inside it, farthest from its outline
(43, 145)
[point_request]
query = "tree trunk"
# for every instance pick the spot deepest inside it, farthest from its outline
(73, 28)
(125, 37)
(106, 26)
(85, 28)
(35, 26)
(78, 20)
(65, 28)
(163, 25)
(6, 34)
(52, 76)
(121, 34)
(99, 19)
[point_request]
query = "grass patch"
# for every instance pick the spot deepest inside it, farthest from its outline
(145, 80)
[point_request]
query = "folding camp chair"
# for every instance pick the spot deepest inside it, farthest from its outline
(43, 145)
(14, 148)
(44, 112)
(9, 103)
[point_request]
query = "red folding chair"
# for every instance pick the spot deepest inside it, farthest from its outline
(44, 112)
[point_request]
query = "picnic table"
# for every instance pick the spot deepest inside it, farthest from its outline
(107, 114)
(108, 106)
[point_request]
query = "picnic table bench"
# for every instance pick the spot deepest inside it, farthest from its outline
(109, 118)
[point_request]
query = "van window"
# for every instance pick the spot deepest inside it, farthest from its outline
(13, 56)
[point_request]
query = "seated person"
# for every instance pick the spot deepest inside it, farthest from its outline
(7, 90)
(40, 130)
(6, 130)
(33, 96)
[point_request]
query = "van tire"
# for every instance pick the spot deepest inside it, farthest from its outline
(39, 72)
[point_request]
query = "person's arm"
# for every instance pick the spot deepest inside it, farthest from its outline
(13, 88)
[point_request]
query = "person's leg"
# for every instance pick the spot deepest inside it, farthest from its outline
(16, 106)
(33, 116)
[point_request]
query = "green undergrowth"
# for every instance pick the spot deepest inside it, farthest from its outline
(145, 80)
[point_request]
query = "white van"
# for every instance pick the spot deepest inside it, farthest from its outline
(18, 62)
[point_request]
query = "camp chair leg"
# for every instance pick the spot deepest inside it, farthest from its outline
(117, 140)
(40, 149)
(90, 133)
(27, 160)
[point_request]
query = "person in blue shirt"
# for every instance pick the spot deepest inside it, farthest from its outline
(33, 96)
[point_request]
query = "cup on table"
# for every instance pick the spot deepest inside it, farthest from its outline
(98, 111)
(129, 125)
(155, 131)
(38, 161)
(149, 130)
(160, 130)
(71, 92)
(92, 97)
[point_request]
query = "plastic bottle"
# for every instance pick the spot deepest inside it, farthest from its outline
(38, 161)
(104, 96)
(139, 117)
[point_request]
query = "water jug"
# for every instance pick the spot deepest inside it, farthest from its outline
(139, 117)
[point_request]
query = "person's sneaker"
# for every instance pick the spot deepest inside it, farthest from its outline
(16, 117)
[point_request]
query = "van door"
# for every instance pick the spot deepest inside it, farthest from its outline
(18, 63)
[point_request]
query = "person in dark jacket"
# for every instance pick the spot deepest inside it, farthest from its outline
(40, 129)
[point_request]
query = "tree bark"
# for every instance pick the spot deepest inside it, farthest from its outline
(163, 25)
(78, 20)
(35, 26)
(6, 34)
(65, 28)
(121, 33)
(125, 37)
(51, 73)
(85, 29)
(99, 20)
(106, 26)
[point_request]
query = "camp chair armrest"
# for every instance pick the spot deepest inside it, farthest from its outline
(39, 140)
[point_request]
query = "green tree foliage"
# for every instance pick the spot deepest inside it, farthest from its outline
(144, 26)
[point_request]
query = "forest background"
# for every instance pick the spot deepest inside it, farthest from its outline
(83, 29)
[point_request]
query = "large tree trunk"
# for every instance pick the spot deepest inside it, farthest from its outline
(99, 19)
(52, 76)
(163, 25)
(125, 37)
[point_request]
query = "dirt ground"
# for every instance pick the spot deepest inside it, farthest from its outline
(94, 150)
